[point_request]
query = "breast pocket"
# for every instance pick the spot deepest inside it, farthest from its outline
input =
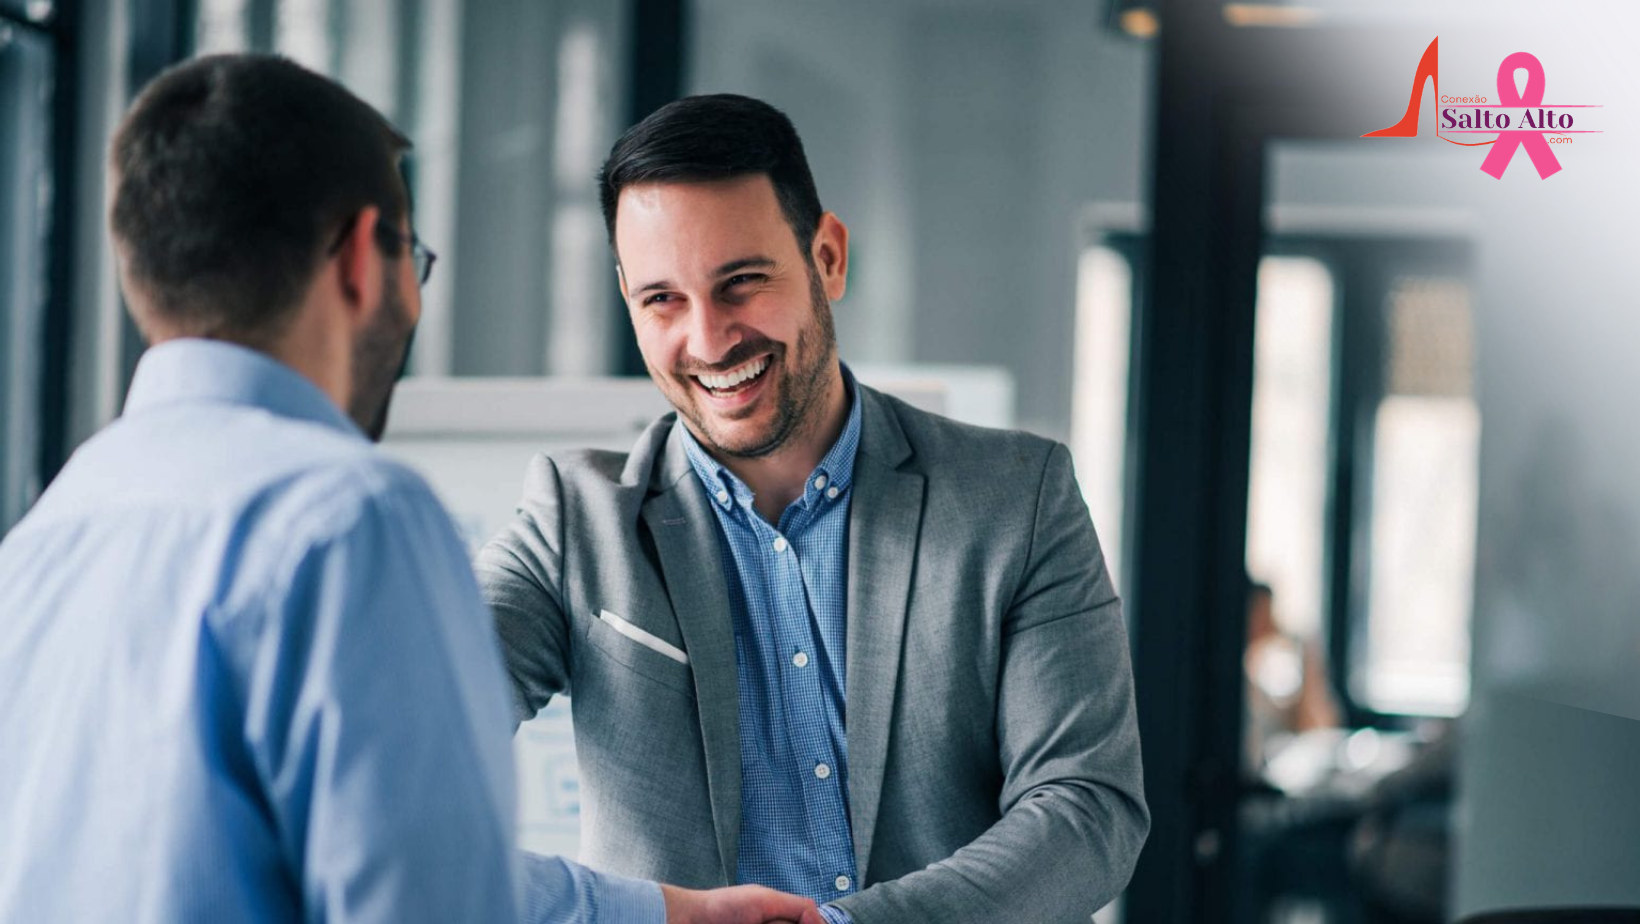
(645, 653)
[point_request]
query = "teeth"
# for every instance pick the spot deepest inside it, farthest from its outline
(734, 376)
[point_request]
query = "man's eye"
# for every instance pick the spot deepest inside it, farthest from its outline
(744, 278)
(658, 298)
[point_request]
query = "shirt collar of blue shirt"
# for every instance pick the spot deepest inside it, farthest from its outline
(836, 468)
(190, 370)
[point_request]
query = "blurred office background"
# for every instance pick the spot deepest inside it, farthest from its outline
(1355, 421)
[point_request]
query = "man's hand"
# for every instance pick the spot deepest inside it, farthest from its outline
(737, 905)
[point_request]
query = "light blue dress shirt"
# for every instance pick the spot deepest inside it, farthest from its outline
(246, 676)
(788, 594)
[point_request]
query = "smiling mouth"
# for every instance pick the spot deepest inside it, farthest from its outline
(734, 381)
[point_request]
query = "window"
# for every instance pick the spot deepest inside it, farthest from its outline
(1287, 690)
(1424, 496)
(1362, 474)
(1292, 395)
(1104, 310)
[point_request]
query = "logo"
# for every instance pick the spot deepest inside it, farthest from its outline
(1518, 118)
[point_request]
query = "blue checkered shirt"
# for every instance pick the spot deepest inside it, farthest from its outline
(788, 594)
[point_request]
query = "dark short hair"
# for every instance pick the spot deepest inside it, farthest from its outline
(717, 137)
(231, 173)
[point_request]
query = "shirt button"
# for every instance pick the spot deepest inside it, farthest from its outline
(801, 659)
(842, 883)
(780, 544)
(832, 493)
(820, 483)
(723, 495)
(822, 771)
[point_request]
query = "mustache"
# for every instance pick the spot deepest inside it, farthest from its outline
(737, 355)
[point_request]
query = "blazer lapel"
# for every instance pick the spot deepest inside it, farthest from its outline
(691, 564)
(885, 516)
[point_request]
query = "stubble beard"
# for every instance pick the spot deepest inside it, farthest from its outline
(801, 392)
(380, 356)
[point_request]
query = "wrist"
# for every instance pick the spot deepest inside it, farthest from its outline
(676, 901)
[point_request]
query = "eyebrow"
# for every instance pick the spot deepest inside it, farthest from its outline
(733, 266)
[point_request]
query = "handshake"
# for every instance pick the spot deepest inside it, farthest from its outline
(737, 905)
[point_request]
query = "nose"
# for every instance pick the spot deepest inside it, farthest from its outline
(712, 331)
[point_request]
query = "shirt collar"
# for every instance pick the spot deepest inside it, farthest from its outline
(192, 370)
(830, 479)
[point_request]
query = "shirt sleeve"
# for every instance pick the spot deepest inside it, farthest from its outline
(835, 915)
(558, 891)
(378, 716)
(520, 573)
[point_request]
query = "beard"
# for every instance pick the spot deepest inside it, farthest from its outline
(800, 393)
(380, 356)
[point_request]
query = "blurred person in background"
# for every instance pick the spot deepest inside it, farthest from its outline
(1287, 687)
(816, 639)
(248, 676)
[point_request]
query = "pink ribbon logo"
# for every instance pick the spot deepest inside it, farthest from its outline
(1543, 158)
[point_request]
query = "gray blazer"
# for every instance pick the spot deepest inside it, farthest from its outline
(993, 771)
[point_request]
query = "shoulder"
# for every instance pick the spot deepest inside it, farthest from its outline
(343, 492)
(943, 447)
(586, 468)
(300, 475)
(585, 492)
(256, 474)
(599, 473)
(356, 527)
(335, 519)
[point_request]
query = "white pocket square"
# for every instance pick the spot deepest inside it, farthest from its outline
(643, 638)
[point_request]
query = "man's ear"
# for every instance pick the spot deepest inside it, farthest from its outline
(830, 254)
(359, 268)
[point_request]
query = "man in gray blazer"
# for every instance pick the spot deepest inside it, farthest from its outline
(815, 639)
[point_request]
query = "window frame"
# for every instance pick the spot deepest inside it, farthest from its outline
(1364, 269)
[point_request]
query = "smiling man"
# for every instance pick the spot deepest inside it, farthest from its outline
(817, 639)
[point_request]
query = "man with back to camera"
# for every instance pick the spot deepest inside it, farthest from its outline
(248, 676)
(816, 639)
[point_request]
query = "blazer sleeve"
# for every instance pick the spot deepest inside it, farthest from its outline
(1074, 815)
(520, 574)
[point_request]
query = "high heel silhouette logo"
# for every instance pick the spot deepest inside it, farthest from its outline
(1429, 68)
(1528, 132)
